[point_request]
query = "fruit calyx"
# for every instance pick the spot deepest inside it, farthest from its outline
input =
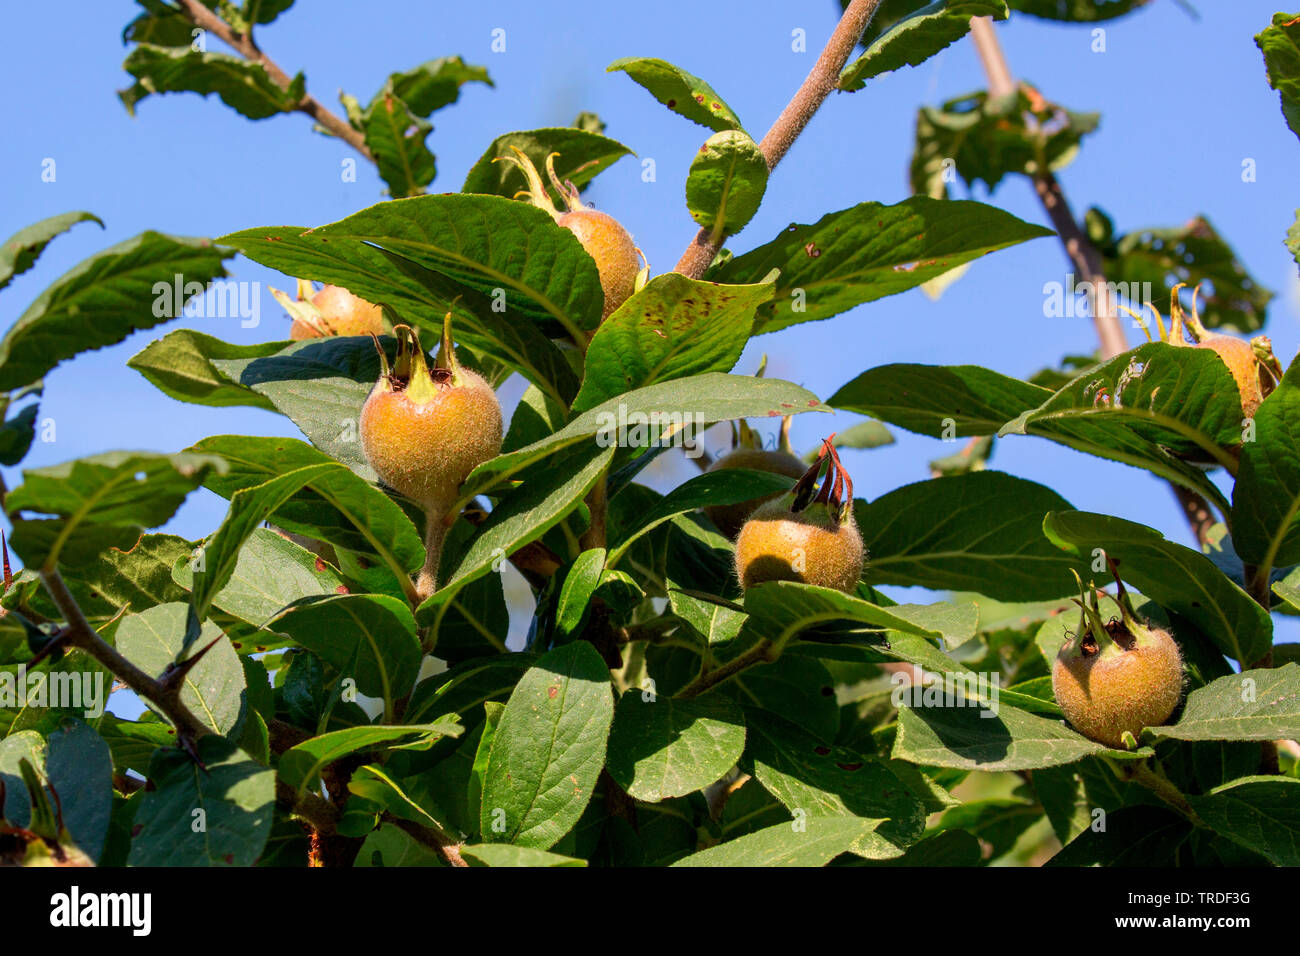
(410, 372)
(835, 493)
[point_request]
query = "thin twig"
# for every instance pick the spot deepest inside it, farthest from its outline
(243, 44)
(823, 79)
(448, 850)
(764, 652)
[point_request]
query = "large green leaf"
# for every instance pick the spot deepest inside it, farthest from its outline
(809, 777)
(1280, 44)
(103, 299)
(680, 91)
(870, 251)
(100, 502)
(180, 364)
(1154, 407)
(983, 138)
(977, 738)
(582, 155)
(673, 328)
(1266, 496)
(726, 182)
(214, 689)
(431, 86)
(339, 506)
(299, 765)
(548, 749)
(1175, 577)
(396, 138)
(1259, 704)
(215, 815)
(978, 532)
(485, 243)
(1260, 813)
(909, 40)
(1077, 11)
(812, 841)
(1133, 836)
(243, 85)
(949, 402)
(504, 854)
(690, 402)
(660, 747)
(20, 251)
(374, 630)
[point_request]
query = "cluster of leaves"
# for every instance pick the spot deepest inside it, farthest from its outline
(657, 715)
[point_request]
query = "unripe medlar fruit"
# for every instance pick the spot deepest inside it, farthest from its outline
(1115, 678)
(424, 430)
(331, 311)
(805, 535)
(749, 453)
(603, 236)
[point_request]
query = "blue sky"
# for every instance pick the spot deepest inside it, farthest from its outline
(1183, 103)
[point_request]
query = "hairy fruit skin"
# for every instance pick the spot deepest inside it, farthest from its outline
(731, 518)
(341, 313)
(612, 247)
(776, 544)
(1114, 690)
(426, 450)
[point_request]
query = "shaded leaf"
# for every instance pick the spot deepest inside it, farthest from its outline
(680, 91)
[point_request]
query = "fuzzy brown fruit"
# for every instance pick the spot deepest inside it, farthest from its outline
(424, 430)
(750, 454)
(1116, 678)
(331, 311)
(805, 535)
(618, 260)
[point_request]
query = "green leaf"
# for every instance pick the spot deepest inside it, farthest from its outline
(916, 37)
(271, 573)
(103, 299)
(997, 822)
(1280, 44)
(243, 85)
(503, 854)
(1175, 577)
(795, 685)
(431, 86)
(299, 765)
(100, 502)
(474, 240)
(726, 182)
(232, 798)
(180, 364)
(1133, 836)
(977, 738)
(943, 401)
(805, 775)
(17, 434)
(339, 506)
(215, 687)
(574, 603)
(984, 138)
(1266, 496)
(20, 251)
(977, 532)
(660, 747)
(1158, 407)
(1155, 259)
(419, 296)
(249, 508)
(396, 136)
(77, 766)
(1253, 705)
(582, 156)
(1293, 238)
(706, 399)
(522, 516)
(870, 251)
(680, 91)
(1260, 813)
(725, 487)
(548, 749)
(814, 841)
(673, 328)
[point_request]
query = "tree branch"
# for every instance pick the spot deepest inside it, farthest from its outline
(243, 44)
(764, 652)
(447, 849)
(823, 79)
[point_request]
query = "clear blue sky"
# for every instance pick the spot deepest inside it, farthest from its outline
(1183, 102)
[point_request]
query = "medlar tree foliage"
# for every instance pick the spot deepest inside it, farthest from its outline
(658, 714)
